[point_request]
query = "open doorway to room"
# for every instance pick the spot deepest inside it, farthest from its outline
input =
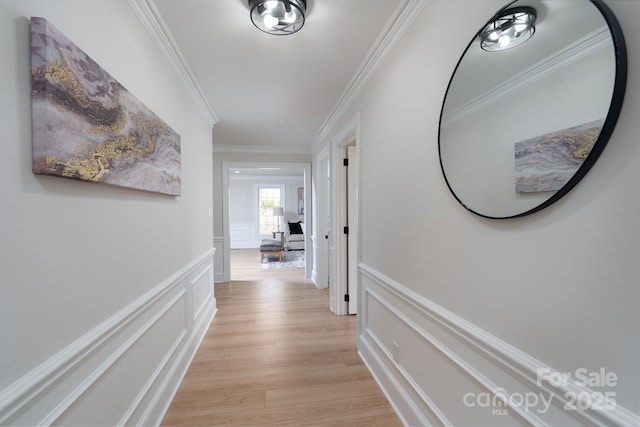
(259, 202)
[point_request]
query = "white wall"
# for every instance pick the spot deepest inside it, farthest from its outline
(105, 291)
(456, 304)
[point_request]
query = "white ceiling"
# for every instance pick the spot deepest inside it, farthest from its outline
(266, 90)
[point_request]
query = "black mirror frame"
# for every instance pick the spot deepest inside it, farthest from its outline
(619, 88)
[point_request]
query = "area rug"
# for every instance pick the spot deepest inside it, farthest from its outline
(290, 259)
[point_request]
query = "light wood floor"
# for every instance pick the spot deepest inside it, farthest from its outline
(245, 262)
(275, 355)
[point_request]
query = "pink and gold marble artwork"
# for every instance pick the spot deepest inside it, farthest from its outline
(87, 126)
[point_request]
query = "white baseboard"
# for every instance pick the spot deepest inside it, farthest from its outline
(126, 370)
(434, 366)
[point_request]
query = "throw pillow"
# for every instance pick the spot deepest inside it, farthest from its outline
(295, 228)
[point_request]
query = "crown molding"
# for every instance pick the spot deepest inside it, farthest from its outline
(403, 16)
(261, 149)
(266, 178)
(150, 17)
(400, 21)
(580, 49)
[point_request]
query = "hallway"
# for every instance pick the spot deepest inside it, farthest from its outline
(275, 355)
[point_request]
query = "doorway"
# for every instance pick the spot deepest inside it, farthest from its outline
(229, 168)
(322, 203)
(352, 228)
(345, 219)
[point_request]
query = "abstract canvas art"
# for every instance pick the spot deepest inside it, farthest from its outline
(87, 126)
(547, 162)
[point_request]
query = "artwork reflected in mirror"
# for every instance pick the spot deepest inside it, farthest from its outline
(547, 162)
(523, 122)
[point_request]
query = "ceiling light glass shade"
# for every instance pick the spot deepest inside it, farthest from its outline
(279, 17)
(509, 28)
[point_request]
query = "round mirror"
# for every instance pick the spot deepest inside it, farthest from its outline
(523, 120)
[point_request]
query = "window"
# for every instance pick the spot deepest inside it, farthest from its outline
(268, 198)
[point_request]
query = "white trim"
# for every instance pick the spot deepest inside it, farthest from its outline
(403, 16)
(511, 361)
(314, 267)
(220, 274)
(401, 19)
(580, 49)
(125, 420)
(53, 416)
(226, 258)
(261, 149)
(209, 272)
(38, 385)
(461, 363)
(150, 17)
(338, 274)
(320, 226)
(398, 395)
(159, 404)
(287, 179)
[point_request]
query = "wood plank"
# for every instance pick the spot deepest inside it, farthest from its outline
(275, 355)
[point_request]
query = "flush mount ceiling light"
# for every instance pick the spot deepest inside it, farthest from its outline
(509, 28)
(279, 17)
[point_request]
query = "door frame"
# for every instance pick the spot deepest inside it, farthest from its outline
(322, 201)
(349, 135)
(308, 217)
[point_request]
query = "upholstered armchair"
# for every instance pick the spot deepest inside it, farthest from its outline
(294, 236)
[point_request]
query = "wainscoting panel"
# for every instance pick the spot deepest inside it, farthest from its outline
(220, 275)
(438, 369)
(127, 370)
(243, 236)
(202, 291)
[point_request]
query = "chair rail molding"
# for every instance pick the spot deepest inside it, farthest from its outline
(402, 329)
(163, 327)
